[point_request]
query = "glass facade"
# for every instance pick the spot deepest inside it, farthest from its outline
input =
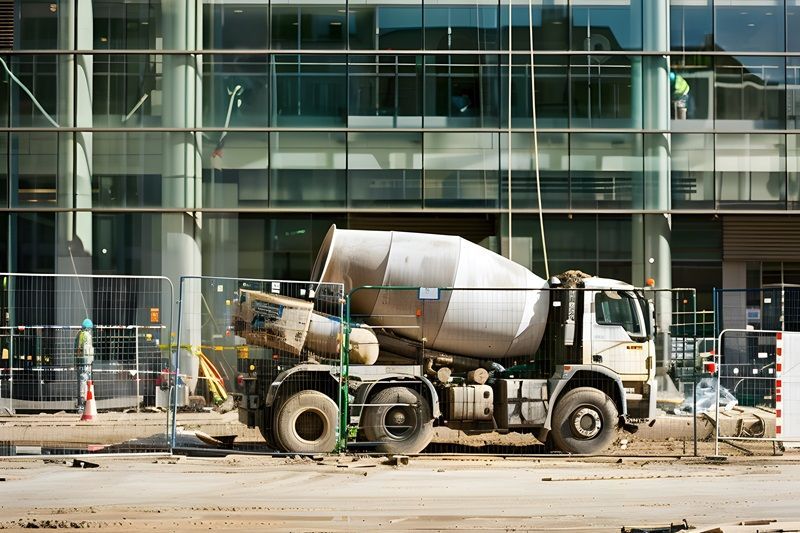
(247, 127)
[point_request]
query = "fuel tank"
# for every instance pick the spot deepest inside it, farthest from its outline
(498, 310)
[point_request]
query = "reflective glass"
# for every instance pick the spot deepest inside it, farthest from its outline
(126, 90)
(38, 159)
(263, 245)
(384, 169)
(604, 167)
(310, 91)
(385, 91)
(793, 25)
(232, 25)
(236, 91)
(35, 240)
(698, 72)
(603, 92)
(4, 139)
(34, 97)
(127, 169)
(308, 169)
(750, 171)
(550, 25)
(793, 92)
(553, 170)
(461, 169)
(599, 25)
(749, 25)
(552, 93)
(399, 27)
(236, 169)
(461, 27)
(793, 171)
(39, 24)
(692, 171)
(126, 24)
(461, 91)
(690, 25)
(750, 92)
(311, 27)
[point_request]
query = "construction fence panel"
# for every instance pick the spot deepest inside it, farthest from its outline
(259, 366)
(485, 370)
(65, 388)
(756, 368)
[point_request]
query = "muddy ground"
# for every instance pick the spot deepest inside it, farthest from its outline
(348, 493)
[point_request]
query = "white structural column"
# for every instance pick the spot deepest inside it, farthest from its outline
(182, 163)
(651, 232)
(73, 243)
(75, 159)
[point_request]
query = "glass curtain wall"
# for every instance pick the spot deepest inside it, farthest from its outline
(279, 116)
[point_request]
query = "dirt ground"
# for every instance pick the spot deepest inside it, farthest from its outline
(346, 493)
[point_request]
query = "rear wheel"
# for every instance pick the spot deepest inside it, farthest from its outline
(306, 423)
(400, 422)
(584, 421)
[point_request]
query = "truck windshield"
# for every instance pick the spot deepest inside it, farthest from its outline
(647, 313)
(618, 308)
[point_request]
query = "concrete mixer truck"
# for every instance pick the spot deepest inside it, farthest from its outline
(480, 344)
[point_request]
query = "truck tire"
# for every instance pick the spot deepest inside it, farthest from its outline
(306, 423)
(398, 428)
(584, 421)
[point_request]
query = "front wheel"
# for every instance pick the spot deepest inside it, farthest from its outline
(306, 423)
(584, 421)
(400, 422)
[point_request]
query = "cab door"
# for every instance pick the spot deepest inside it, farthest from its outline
(617, 334)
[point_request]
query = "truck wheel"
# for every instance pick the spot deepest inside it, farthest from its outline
(584, 421)
(398, 428)
(306, 423)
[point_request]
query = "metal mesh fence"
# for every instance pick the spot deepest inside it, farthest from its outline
(262, 360)
(65, 388)
(515, 371)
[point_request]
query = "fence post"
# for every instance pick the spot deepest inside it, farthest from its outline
(174, 406)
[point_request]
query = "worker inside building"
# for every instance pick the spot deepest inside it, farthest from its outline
(680, 95)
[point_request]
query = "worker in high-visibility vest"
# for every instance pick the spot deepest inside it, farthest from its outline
(84, 357)
(680, 95)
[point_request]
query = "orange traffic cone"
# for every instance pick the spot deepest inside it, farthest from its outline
(90, 409)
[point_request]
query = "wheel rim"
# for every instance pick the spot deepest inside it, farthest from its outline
(586, 423)
(310, 425)
(400, 421)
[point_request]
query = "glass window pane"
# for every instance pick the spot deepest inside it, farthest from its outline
(310, 91)
(121, 24)
(385, 92)
(793, 25)
(599, 25)
(690, 24)
(236, 170)
(552, 93)
(793, 92)
(604, 168)
(39, 23)
(126, 90)
(127, 169)
(308, 26)
(34, 99)
(384, 169)
(793, 169)
(751, 171)
(750, 92)
(749, 25)
(461, 27)
(40, 158)
(698, 72)
(553, 170)
(308, 169)
(235, 91)
(603, 92)
(230, 25)
(461, 169)
(461, 91)
(550, 25)
(399, 27)
(692, 167)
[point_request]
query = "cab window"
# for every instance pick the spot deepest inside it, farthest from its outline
(614, 308)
